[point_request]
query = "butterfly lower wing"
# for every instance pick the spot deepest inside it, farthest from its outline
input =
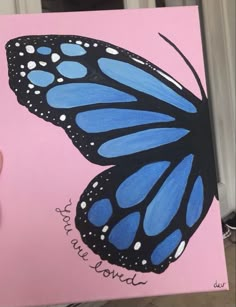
(103, 96)
(141, 217)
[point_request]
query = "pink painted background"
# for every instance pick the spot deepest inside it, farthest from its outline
(43, 170)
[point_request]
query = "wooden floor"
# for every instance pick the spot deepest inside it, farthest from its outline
(219, 299)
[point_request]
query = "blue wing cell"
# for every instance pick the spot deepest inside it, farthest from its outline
(72, 69)
(44, 50)
(140, 141)
(195, 203)
(167, 201)
(123, 233)
(140, 80)
(140, 183)
(100, 212)
(164, 249)
(41, 78)
(72, 49)
(102, 120)
(83, 94)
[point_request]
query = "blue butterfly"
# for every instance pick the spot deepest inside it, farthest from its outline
(119, 109)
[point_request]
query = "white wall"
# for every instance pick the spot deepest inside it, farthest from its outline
(7, 7)
(20, 6)
(219, 30)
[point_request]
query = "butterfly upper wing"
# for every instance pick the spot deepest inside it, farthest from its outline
(112, 103)
(141, 217)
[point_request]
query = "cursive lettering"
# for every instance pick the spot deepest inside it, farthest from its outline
(112, 274)
(98, 267)
(79, 249)
(219, 285)
(66, 217)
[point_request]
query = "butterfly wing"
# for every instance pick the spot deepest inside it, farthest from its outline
(113, 104)
(141, 217)
(118, 108)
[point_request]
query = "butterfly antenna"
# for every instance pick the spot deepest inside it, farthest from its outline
(189, 65)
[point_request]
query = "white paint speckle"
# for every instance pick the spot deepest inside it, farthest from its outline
(31, 65)
(30, 85)
(22, 66)
(137, 246)
(102, 237)
(37, 92)
(138, 61)
(30, 49)
(79, 42)
(111, 51)
(42, 63)
(55, 57)
(83, 205)
(105, 228)
(86, 45)
(170, 79)
(95, 184)
(63, 117)
(17, 44)
(21, 53)
(95, 45)
(180, 249)
(60, 80)
(23, 74)
(92, 143)
(144, 262)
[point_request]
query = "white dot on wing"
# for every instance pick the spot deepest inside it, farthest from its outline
(112, 51)
(63, 117)
(83, 205)
(30, 49)
(31, 65)
(105, 228)
(55, 57)
(42, 63)
(95, 184)
(180, 249)
(137, 245)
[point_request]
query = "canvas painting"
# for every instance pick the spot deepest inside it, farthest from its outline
(108, 188)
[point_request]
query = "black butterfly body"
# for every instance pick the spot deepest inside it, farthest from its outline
(119, 109)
